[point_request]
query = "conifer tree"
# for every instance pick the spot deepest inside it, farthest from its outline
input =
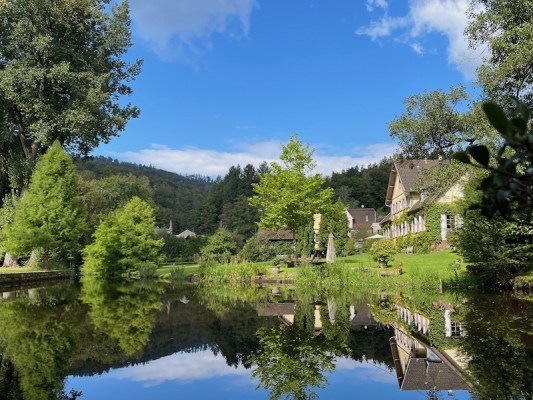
(124, 240)
(50, 215)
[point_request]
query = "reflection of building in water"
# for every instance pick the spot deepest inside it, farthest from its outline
(422, 367)
(422, 324)
(360, 316)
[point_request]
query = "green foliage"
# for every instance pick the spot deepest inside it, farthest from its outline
(104, 195)
(383, 250)
(180, 249)
(176, 198)
(124, 240)
(220, 247)
(431, 124)
(499, 248)
(230, 273)
(432, 217)
(358, 186)
(334, 221)
(227, 203)
(63, 74)
(508, 189)
(255, 249)
(7, 215)
(50, 215)
(305, 244)
(506, 28)
(289, 195)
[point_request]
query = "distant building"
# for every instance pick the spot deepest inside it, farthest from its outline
(362, 220)
(186, 234)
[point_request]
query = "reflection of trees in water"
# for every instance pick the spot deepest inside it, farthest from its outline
(500, 346)
(38, 332)
(123, 311)
(232, 321)
(292, 359)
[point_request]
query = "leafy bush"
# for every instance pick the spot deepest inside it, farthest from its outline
(180, 249)
(220, 247)
(256, 249)
(383, 250)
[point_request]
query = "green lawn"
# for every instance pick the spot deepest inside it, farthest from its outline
(185, 269)
(438, 262)
(12, 270)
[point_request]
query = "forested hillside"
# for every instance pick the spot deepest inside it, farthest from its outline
(177, 197)
(358, 186)
(202, 205)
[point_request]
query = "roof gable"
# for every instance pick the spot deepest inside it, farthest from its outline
(409, 173)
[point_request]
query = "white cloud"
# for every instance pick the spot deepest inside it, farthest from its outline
(180, 367)
(383, 27)
(445, 17)
(191, 160)
(173, 26)
(372, 4)
(367, 370)
(417, 48)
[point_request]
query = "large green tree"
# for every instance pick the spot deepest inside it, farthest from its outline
(436, 124)
(104, 195)
(50, 215)
(62, 75)
(506, 28)
(289, 194)
(124, 240)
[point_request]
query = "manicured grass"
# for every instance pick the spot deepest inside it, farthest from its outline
(436, 262)
(13, 270)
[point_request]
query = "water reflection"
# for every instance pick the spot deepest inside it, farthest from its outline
(140, 339)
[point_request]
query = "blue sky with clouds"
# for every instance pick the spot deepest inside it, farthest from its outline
(226, 82)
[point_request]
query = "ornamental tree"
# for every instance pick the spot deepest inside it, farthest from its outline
(289, 194)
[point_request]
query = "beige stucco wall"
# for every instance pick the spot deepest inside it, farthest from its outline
(398, 195)
(454, 193)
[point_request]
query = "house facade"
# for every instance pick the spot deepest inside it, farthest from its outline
(409, 204)
(362, 220)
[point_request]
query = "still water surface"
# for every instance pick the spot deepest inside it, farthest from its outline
(148, 340)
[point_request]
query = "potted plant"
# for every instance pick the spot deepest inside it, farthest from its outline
(383, 251)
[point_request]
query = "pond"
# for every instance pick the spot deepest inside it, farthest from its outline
(153, 340)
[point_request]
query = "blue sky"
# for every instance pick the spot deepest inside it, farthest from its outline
(226, 82)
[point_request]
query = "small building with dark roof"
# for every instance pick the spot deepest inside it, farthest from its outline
(362, 220)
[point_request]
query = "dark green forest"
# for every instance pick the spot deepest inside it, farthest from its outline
(202, 204)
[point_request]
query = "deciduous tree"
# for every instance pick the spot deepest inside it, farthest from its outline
(62, 74)
(289, 194)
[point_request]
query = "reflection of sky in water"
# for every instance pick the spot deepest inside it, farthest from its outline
(203, 375)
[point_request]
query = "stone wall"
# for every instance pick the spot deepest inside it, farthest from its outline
(21, 277)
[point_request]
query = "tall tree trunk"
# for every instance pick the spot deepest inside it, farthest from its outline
(11, 260)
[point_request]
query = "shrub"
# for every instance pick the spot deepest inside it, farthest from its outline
(220, 247)
(256, 249)
(383, 251)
